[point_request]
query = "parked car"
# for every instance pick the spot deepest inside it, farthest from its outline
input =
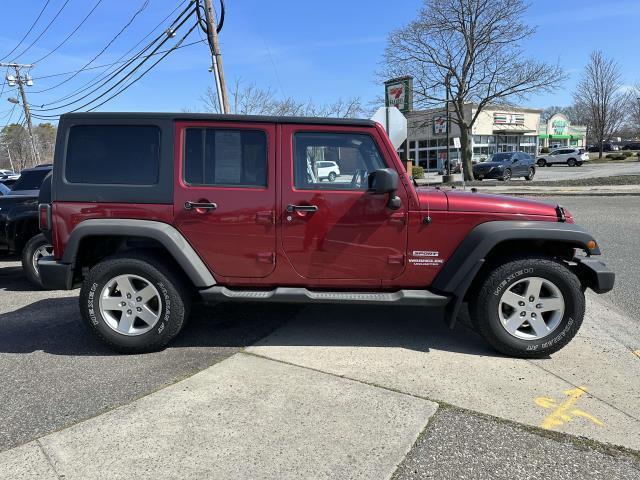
(8, 178)
(566, 156)
(148, 212)
(456, 167)
(328, 170)
(606, 147)
(19, 232)
(504, 166)
(4, 190)
(632, 146)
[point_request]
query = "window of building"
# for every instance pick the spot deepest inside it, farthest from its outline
(356, 155)
(225, 157)
(113, 154)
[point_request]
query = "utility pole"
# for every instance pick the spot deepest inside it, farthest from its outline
(20, 81)
(216, 57)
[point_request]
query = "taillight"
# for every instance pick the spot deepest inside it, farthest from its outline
(44, 216)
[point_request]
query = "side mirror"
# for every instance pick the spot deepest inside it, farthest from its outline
(383, 181)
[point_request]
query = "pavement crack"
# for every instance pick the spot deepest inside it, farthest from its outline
(591, 394)
(49, 460)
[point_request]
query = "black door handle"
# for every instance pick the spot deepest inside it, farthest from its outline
(199, 205)
(301, 208)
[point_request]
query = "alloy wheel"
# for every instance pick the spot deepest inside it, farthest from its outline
(531, 308)
(130, 305)
(42, 251)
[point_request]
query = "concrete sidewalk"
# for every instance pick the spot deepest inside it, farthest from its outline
(599, 190)
(245, 417)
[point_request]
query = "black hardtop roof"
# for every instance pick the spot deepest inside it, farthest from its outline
(87, 116)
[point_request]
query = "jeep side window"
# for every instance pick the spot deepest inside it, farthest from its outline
(225, 157)
(356, 155)
(113, 155)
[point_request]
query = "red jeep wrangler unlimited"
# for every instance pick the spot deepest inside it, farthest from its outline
(151, 211)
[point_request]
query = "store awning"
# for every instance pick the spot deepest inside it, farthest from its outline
(559, 137)
(512, 132)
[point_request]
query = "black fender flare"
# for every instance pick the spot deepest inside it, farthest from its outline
(167, 235)
(460, 270)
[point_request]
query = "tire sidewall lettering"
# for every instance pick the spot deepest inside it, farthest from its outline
(510, 279)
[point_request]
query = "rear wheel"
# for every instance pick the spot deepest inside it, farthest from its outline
(531, 174)
(134, 303)
(34, 250)
(529, 307)
(541, 162)
(572, 162)
(579, 164)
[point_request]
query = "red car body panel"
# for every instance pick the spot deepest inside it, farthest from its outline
(352, 241)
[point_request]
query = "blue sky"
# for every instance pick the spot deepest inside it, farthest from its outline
(308, 50)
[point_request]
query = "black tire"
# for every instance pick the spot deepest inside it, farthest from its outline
(541, 162)
(506, 176)
(172, 288)
(532, 173)
(33, 248)
(572, 162)
(579, 164)
(485, 315)
(332, 177)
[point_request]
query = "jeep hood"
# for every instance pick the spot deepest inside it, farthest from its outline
(466, 201)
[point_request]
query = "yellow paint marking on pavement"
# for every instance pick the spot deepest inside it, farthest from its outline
(565, 411)
(637, 353)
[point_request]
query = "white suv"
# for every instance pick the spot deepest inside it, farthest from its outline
(568, 156)
(328, 170)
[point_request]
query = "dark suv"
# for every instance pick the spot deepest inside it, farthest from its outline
(149, 212)
(19, 232)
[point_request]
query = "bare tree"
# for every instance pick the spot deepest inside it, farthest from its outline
(600, 93)
(634, 116)
(252, 100)
(471, 50)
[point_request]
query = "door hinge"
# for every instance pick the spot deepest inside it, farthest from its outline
(395, 259)
(265, 217)
(266, 257)
(398, 217)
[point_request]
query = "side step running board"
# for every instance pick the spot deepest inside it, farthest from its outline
(423, 298)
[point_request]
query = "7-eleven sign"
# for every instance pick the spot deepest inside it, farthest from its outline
(398, 93)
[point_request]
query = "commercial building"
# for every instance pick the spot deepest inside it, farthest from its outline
(497, 129)
(558, 132)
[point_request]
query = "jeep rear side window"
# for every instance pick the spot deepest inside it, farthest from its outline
(113, 154)
(225, 157)
(356, 155)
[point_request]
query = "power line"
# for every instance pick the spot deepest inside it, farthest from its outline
(143, 73)
(101, 76)
(142, 7)
(126, 76)
(112, 64)
(28, 31)
(43, 31)
(124, 67)
(71, 34)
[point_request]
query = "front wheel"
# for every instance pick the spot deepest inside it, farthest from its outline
(506, 176)
(529, 307)
(134, 303)
(332, 177)
(34, 250)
